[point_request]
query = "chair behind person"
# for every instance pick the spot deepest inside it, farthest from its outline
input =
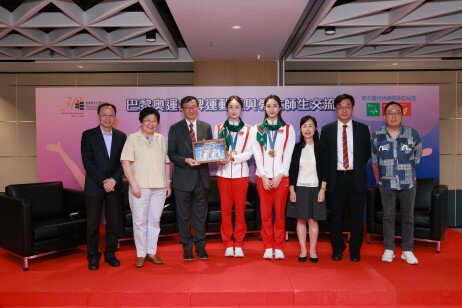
(252, 209)
(324, 225)
(168, 223)
(41, 218)
(430, 212)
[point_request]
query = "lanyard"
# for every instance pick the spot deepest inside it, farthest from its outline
(272, 141)
(234, 141)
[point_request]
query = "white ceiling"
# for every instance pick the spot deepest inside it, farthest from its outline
(111, 34)
(206, 26)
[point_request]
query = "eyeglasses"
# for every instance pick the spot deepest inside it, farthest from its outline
(150, 122)
(393, 114)
(192, 108)
(345, 108)
(107, 116)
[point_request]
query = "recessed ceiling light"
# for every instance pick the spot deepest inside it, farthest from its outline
(236, 27)
(395, 63)
(329, 30)
(151, 36)
(79, 66)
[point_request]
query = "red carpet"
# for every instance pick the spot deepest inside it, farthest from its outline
(63, 279)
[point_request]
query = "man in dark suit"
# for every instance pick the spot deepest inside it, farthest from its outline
(191, 180)
(349, 149)
(101, 148)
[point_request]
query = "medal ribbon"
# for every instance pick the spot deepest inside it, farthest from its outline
(272, 139)
(234, 142)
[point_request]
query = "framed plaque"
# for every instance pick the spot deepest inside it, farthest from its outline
(209, 151)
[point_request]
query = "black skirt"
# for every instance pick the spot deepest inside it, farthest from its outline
(307, 205)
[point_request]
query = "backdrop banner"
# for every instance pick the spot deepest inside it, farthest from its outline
(64, 113)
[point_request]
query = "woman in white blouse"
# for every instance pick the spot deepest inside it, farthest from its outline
(308, 179)
(147, 168)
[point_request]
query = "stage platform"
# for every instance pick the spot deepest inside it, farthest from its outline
(64, 280)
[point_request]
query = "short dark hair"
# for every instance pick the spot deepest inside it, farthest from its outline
(107, 105)
(393, 103)
(187, 99)
(236, 98)
(278, 100)
(148, 111)
(316, 134)
(341, 97)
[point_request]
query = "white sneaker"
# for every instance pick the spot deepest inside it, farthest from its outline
(409, 257)
(229, 252)
(268, 254)
(278, 254)
(388, 255)
(239, 253)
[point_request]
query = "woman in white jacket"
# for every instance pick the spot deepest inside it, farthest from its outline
(233, 176)
(272, 148)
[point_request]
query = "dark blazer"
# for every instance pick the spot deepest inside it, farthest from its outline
(361, 154)
(322, 163)
(179, 148)
(97, 164)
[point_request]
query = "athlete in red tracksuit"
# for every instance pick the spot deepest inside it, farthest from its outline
(233, 175)
(272, 147)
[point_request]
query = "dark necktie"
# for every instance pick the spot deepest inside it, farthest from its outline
(345, 148)
(192, 133)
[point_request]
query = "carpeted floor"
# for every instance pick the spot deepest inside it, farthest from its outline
(64, 280)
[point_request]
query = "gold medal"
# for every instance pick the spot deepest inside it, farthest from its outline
(272, 153)
(233, 152)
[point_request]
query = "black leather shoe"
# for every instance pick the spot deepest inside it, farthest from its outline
(337, 256)
(302, 259)
(355, 259)
(202, 254)
(314, 260)
(188, 255)
(114, 262)
(93, 264)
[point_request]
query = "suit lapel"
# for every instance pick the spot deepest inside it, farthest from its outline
(356, 139)
(114, 143)
(100, 140)
(200, 134)
(185, 130)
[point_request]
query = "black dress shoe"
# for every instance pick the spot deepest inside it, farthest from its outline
(337, 256)
(302, 259)
(314, 260)
(93, 264)
(202, 254)
(355, 259)
(114, 262)
(188, 255)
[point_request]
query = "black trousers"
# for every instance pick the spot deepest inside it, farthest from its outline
(345, 197)
(112, 202)
(191, 208)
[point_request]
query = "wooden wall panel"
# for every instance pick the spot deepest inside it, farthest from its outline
(368, 78)
(235, 73)
(311, 78)
(257, 73)
(65, 79)
(215, 73)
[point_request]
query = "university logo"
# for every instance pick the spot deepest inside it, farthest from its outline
(79, 105)
(373, 109)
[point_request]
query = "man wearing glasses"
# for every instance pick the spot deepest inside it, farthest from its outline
(101, 148)
(396, 151)
(191, 180)
(349, 149)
